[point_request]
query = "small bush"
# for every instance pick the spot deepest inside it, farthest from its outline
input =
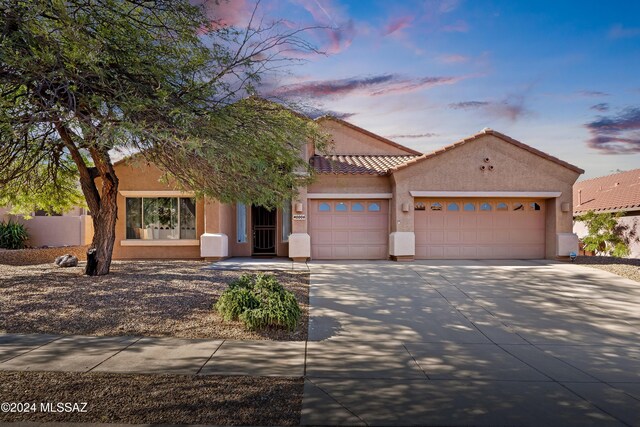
(259, 301)
(12, 235)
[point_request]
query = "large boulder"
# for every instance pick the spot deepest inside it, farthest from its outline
(67, 260)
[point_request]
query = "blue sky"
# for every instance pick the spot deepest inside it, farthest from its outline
(562, 76)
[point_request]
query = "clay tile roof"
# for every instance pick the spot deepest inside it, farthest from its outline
(357, 164)
(611, 193)
(478, 135)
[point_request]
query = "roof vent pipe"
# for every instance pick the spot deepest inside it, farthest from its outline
(579, 197)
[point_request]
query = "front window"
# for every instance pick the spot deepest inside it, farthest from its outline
(161, 218)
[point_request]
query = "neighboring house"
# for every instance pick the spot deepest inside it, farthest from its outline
(487, 196)
(619, 192)
(71, 228)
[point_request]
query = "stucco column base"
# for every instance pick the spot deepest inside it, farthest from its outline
(299, 246)
(402, 245)
(403, 258)
(214, 245)
(566, 243)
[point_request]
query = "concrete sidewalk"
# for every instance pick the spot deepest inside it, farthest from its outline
(129, 355)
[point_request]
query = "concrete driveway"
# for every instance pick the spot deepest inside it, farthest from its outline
(472, 343)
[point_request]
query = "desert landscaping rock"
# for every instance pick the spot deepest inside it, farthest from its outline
(142, 298)
(142, 399)
(67, 260)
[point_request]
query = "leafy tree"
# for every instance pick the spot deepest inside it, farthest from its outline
(81, 79)
(605, 235)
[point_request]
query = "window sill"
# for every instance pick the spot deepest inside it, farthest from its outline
(167, 242)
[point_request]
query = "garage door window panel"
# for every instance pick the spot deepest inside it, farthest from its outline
(373, 207)
(518, 207)
(485, 207)
(341, 207)
(357, 207)
(453, 207)
(469, 207)
(324, 207)
(436, 206)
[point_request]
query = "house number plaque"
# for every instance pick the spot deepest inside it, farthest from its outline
(299, 217)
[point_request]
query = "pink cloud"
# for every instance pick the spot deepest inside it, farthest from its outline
(618, 31)
(447, 6)
(459, 26)
(511, 108)
(236, 13)
(397, 24)
(338, 30)
(616, 134)
(453, 59)
(384, 84)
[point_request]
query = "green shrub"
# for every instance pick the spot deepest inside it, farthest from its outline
(12, 235)
(606, 236)
(259, 301)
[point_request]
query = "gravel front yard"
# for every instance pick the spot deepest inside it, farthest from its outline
(166, 399)
(39, 255)
(148, 298)
(625, 267)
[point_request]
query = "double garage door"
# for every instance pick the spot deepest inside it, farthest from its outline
(349, 229)
(453, 228)
(479, 228)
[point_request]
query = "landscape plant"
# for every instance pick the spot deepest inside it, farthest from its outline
(605, 235)
(259, 301)
(13, 235)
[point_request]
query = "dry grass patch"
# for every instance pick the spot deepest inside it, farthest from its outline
(166, 399)
(148, 298)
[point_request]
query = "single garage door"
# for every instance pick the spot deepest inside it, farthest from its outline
(479, 229)
(349, 229)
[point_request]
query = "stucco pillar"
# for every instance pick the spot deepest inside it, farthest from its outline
(402, 240)
(299, 240)
(566, 239)
(214, 245)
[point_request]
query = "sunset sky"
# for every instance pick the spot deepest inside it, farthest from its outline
(561, 76)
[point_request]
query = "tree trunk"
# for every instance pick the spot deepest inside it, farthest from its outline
(104, 232)
(102, 204)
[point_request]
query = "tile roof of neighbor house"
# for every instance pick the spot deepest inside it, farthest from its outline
(370, 134)
(611, 193)
(357, 164)
(479, 135)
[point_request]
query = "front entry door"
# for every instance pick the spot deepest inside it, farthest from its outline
(264, 230)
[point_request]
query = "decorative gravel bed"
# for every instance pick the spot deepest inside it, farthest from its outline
(166, 399)
(625, 267)
(40, 255)
(148, 298)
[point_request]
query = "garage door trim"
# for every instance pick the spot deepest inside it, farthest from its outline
(505, 194)
(349, 195)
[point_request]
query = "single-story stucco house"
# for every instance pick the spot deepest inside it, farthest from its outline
(619, 192)
(486, 196)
